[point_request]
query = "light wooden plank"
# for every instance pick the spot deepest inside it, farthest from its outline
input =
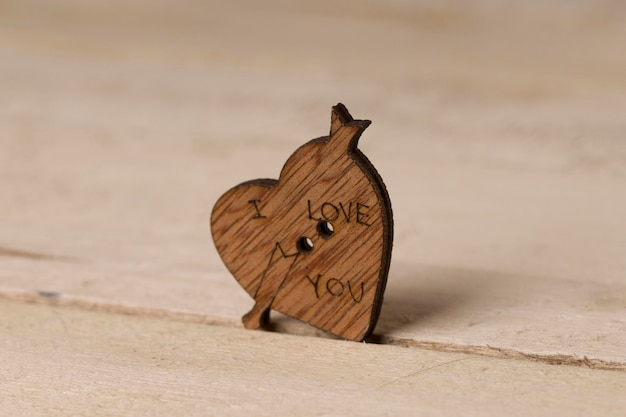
(120, 125)
(71, 362)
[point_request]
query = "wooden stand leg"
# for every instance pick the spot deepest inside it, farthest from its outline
(258, 317)
(274, 276)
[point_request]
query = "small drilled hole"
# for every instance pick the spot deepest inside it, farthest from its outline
(325, 229)
(305, 245)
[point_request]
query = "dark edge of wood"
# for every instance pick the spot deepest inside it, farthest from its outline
(261, 182)
(383, 199)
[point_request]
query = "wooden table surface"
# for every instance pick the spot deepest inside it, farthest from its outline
(498, 127)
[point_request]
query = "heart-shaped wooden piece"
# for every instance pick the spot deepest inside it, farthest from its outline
(315, 244)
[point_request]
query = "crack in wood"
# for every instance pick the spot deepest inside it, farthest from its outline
(421, 371)
(18, 253)
(505, 353)
(59, 300)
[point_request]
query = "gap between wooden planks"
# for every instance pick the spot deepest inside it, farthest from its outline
(290, 326)
(63, 361)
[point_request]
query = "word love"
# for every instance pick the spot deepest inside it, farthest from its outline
(357, 212)
(336, 288)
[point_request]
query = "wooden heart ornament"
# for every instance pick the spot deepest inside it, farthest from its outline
(316, 243)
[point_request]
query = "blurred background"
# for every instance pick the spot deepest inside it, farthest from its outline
(498, 126)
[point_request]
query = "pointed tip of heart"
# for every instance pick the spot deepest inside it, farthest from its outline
(344, 128)
(341, 117)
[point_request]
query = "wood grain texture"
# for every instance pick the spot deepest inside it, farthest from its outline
(316, 243)
(69, 362)
(498, 131)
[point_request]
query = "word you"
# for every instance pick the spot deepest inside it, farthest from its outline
(335, 287)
